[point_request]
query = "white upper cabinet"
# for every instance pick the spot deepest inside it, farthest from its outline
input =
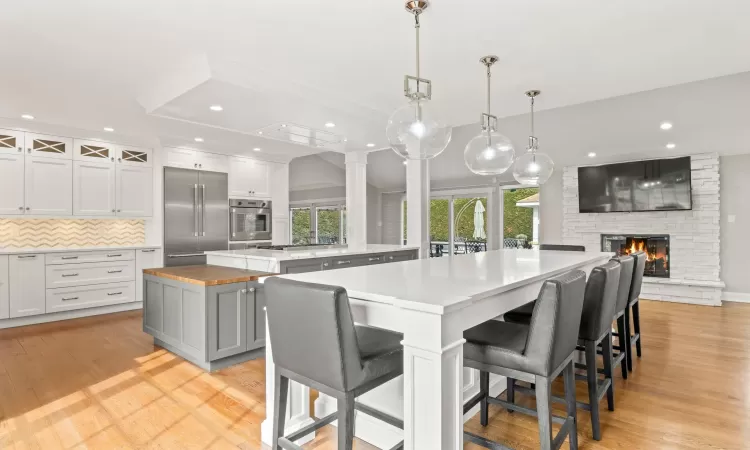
(180, 157)
(136, 157)
(212, 162)
(191, 159)
(94, 188)
(94, 151)
(11, 141)
(249, 178)
(11, 183)
(134, 191)
(46, 146)
(49, 186)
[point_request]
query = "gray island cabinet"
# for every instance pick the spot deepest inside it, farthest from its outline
(212, 316)
(340, 262)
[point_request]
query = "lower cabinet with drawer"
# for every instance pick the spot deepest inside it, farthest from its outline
(343, 261)
(79, 297)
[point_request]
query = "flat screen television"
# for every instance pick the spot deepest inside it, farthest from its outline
(652, 185)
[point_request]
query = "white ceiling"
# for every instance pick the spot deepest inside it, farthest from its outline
(151, 68)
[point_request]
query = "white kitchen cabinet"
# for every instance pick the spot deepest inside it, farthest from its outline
(136, 157)
(97, 151)
(27, 287)
(191, 159)
(49, 146)
(4, 288)
(11, 183)
(146, 258)
(180, 157)
(134, 191)
(49, 186)
(249, 178)
(94, 188)
(212, 162)
(11, 141)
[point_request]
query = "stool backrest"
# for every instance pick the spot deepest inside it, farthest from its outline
(627, 264)
(553, 331)
(599, 301)
(640, 266)
(312, 332)
(561, 247)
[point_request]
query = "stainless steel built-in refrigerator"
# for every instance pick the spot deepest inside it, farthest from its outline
(196, 215)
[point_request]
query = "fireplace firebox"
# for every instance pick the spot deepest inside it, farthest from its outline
(656, 247)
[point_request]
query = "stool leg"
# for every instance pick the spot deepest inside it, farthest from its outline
(510, 392)
(346, 422)
(592, 380)
(637, 327)
(569, 380)
(280, 393)
(607, 356)
(484, 388)
(623, 346)
(544, 412)
(628, 344)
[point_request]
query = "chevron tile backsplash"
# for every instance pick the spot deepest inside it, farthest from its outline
(44, 233)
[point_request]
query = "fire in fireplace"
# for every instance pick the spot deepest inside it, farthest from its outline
(656, 247)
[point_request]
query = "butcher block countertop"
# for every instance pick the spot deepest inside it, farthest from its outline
(207, 275)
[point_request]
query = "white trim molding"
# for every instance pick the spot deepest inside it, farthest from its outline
(739, 297)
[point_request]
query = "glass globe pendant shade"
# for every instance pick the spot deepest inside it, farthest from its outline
(489, 154)
(533, 168)
(414, 133)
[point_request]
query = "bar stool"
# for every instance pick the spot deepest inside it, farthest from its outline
(316, 343)
(537, 353)
(627, 264)
(635, 293)
(523, 313)
(596, 328)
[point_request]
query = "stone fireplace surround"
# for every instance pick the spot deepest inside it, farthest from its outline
(694, 235)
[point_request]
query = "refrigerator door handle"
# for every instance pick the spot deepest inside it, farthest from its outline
(195, 210)
(203, 210)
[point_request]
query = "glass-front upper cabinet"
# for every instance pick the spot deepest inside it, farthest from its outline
(132, 156)
(94, 151)
(47, 146)
(11, 141)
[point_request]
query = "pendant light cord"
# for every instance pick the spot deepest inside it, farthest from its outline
(416, 29)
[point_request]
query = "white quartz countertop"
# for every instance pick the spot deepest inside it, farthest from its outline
(21, 251)
(439, 285)
(286, 255)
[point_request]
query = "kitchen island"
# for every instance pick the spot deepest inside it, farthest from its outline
(301, 259)
(212, 316)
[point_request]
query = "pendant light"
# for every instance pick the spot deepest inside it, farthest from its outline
(489, 153)
(413, 130)
(533, 168)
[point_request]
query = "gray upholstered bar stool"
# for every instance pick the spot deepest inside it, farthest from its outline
(596, 327)
(537, 353)
(635, 293)
(627, 263)
(316, 343)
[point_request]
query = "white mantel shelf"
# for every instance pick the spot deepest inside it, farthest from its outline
(672, 281)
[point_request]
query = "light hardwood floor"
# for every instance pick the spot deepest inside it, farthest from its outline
(99, 383)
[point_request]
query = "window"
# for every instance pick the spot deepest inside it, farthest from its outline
(318, 224)
(520, 217)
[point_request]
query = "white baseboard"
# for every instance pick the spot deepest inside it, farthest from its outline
(67, 315)
(739, 297)
(383, 435)
(684, 300)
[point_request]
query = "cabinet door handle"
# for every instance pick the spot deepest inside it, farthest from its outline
(391, 258)
(195, 165)
(119, 159)
(26, 256)
(251, 290)
(69, 257)
(114, 271)
(29, 150)
(69, 298)
(375, 259)
(114, 255)
(119, 210)
(28, 208)
(343, 262)
(114, 293)
(66, 275)
(20, 149)
(325, 264)
(20, 208)
(113, 210)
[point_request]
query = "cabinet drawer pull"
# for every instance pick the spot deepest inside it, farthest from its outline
(69, 257)
(65, 275)
(69, 298)
(251, 290)
(114, 271)
(343, 262)
(114, 255)
(26, 256)
(114, 293)
(148, 251)
(325, 264)
(375, 259)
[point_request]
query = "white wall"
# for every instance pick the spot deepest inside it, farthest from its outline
(392, 218)
(735, 243)
(551, 209)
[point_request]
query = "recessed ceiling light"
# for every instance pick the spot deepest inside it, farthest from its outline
(283, 125)
(216, 108)
(671, 145)
(666, 126)
(109, 129)
(405, 161)
(330, 124)
(592, 154)
(371, 145)
(199, 139)
(27, 116)
(256, 149)
(260, 132)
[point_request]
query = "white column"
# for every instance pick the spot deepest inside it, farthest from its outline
(279, 173)
(356, 199)
(298, 404)
(495, 219)
(418, 206)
